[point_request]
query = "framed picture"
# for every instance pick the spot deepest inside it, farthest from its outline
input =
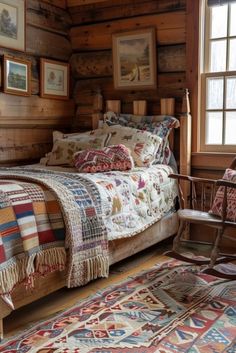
(54, 79)
(12, 24)
(16, 76)
(134, 59)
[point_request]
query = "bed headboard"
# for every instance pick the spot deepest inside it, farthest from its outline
(181, 145)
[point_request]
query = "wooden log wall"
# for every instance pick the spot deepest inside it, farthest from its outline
(26, 123)
(91, 39)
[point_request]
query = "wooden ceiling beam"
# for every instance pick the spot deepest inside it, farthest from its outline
(73, 3)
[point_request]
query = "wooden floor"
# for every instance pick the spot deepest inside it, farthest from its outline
(24, 318)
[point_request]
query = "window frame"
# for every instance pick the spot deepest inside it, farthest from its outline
(205, 74)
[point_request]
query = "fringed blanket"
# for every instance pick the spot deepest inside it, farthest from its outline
(34, 235)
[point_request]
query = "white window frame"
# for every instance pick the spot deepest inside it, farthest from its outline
(205, 35)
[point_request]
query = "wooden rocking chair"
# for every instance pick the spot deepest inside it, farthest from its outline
(202, 195)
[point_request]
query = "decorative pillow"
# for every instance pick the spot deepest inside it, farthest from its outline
(159, 125)
(216, 209)
(142, 144)
(64, 149)
(116, 157)
(58, 135)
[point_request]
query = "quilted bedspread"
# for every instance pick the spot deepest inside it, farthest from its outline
(39, 212)
(134, 200)
(44, 211)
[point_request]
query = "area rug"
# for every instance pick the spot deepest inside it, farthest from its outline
(170, 308)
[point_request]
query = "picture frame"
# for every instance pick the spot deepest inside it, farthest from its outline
(134, 59)
(12, 24)
(16, 76)
(54, 79)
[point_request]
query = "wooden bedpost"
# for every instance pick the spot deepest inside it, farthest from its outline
(113, 105)
(140, 107)
(97, 109)
(185, 145)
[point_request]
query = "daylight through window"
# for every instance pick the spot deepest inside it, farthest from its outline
(218, 124)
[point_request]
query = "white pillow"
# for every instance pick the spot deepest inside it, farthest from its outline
(64, 149)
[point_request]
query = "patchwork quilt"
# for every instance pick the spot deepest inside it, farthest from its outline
(32, 232)
(43, 212)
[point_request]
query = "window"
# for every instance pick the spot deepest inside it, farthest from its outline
(218, 101)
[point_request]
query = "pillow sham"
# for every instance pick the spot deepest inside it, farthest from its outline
(116, 157)
(216, 208)
(64, 149)
(159, 125)
(142, 144)
(58, 135)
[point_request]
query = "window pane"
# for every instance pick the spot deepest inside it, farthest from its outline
(215, 87)
(218, 56)
(231, 93)
(219, 21)
(230, 128)
(232, 20)
(232, 54)
(214, 124)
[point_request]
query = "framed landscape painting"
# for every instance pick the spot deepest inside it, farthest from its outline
(134, 59)
(54, 79)
(12, 24)
(16, 76)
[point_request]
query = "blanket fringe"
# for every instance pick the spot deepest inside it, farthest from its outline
(15, 273)
(50, 260)
(93, 268)
(24, 269)
(97, 267)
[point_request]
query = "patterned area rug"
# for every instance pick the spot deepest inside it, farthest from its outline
(169, 308)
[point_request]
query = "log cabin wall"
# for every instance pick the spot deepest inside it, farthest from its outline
(91, 39)
(26, 123)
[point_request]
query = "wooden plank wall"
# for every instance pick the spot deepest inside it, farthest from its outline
(91, 39)
(26, 123)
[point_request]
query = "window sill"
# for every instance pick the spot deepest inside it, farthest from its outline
(211, 160)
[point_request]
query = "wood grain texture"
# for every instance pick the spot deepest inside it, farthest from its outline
(42, 43)
(170, 29)
(99, 63)
(117, 9)
(48, 17)
(27, 124)
(58, 3)
(72, 3)
(91, 62)
(169, 85)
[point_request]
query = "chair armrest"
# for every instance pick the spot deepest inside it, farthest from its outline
(233, 164)
(227, 183)
(192, 179)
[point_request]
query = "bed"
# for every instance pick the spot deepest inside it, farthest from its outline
(109, 235)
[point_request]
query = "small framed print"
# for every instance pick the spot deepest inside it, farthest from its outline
(16, 76)
(54, 79)
(134, 59)
(12, 24)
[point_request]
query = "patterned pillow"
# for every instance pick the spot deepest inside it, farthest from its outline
(216, 209)
(116, 157)
(58, 135)
(142, 144)
(159, 125)
(64, 149)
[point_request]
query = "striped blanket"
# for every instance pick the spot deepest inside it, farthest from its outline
(42, 213)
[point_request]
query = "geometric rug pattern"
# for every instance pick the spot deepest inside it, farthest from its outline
(170, 308)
